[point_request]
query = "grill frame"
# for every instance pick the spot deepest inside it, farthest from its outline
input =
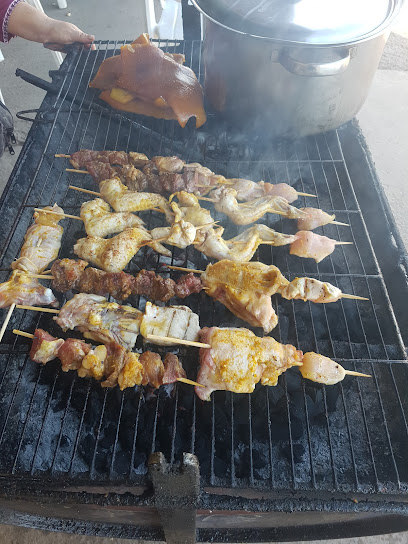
(241, 493)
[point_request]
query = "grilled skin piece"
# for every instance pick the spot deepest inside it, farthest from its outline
(321, 369)
(238, 360)
(23, 289)
(123, 200)
(42, 242)
(171, 321)
(69, 274)
(100, 221)
(249, 212)
(158, 84)
(113, 254)
(246, 290)
(112, 362)
(101, 320)
(106, 322)
(249, 190)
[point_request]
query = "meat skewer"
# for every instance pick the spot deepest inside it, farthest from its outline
(138, 173)
(110, 362)
(236, 360)
(42, 242)
(245, 288)
(105, 322)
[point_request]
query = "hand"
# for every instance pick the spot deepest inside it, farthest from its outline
(62, 33)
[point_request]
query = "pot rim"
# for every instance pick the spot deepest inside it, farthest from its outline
(397, 6)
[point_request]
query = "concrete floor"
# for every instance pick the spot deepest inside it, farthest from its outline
(384, 121)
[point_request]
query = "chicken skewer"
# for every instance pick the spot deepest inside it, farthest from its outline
(110, 363)
(42, 242)
(236, 360)
(105, 322)
(138, 173)
(209, 241)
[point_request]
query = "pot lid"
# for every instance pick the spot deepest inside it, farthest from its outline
(318, 22)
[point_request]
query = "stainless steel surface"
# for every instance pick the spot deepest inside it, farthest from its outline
(255, 81)
(312, 22)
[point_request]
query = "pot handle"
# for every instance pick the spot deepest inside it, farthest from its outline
(314, 69)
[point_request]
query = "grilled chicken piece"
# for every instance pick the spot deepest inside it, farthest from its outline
(138, 159)
(180, 234)
(245, 289)
(310, 289)
(113, 254)
(188, 208)
(42, 242)
(238, 360)
(168, 164)
(72, 352)
(123, 200)
(171, 321)
(249, 212)
(100, 221)
(318, 368)
(311, 245)
(44, 347)
(249, 190)
(22, 289)
(173, 369)
(314, 218)
(241, 248)
(101, 320)
(110, 361)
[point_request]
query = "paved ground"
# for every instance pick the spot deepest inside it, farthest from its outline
(384, 120)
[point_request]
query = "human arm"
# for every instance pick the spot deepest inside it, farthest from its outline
(30, 23)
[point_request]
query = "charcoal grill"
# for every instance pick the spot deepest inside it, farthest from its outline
(296, 461)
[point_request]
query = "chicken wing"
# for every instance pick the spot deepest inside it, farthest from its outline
(100, 221)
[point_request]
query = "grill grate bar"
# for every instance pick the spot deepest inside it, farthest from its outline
(132, 458)
(115, 443)
(98, 434)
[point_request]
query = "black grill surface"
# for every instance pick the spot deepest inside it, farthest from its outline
(298, 437)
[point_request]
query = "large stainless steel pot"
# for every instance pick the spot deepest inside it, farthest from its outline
(297, 67)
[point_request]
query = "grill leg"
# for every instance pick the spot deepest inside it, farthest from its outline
(176, 491)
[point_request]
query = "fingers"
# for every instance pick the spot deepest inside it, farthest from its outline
(85, 38)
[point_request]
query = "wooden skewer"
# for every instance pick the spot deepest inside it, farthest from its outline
(39, 276)
(306, 194)
(190, 382)
(47, 272)
(148, 242)
(354, 297)
(83, 190)
(58, 155)
(37, 309)
(353, 373)
(206, 225)
(344, 243)
(57, 213)
(185, 269)
(6, 321)
(207, 186)
(338, 223)
(22, 333)
(76, 171)
(177, 341)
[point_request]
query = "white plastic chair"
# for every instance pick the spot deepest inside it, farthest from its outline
(170, 24)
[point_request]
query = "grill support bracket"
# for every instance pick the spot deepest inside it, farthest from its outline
(176, 492)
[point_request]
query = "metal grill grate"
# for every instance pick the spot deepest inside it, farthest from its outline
(348, 438)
